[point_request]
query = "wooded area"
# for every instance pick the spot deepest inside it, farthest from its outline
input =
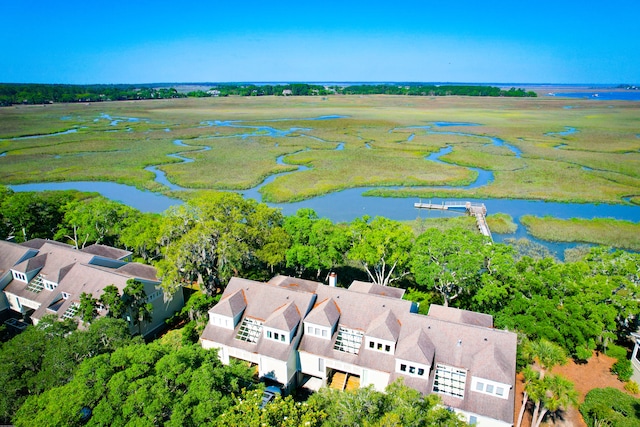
(559, 309)
(22, 93)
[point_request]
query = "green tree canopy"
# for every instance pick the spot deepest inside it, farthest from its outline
(141, 384)
(215, 236)
(382, 247)
(451, 263)
(317, 244)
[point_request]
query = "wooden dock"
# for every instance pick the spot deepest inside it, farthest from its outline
(478, 210)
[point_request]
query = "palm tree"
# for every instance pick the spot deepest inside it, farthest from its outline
(530, 378)
(554, 393)
(546, 353)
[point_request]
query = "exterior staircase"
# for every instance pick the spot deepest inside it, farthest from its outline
(353, 382)
(338, 381)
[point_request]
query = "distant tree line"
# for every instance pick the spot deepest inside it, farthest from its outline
(19, 93)
(11, 94)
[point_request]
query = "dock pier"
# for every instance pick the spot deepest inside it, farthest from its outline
(478, 210)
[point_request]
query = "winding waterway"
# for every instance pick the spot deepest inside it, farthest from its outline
(348, 204)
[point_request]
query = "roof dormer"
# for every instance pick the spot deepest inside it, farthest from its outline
(227, 313)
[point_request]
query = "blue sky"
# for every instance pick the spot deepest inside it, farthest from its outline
(486, 41)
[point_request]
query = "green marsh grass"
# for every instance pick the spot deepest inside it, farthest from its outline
(501, 223)
(599, 163)
(608, 232)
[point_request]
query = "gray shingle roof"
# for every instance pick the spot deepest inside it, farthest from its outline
(12, 254)
(326, 313)
(460, 316)
(417, 347)
(385, 326)
(231, 305)
(107, 251)
(372, 288)
(285, 318)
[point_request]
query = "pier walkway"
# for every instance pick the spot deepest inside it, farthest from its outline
(478, 210)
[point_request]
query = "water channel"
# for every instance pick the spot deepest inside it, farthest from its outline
(349, 204)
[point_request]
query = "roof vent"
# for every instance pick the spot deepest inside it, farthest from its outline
(459, 343)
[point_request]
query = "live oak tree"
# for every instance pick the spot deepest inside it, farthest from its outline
(141, 384)
(317, 244)
(450, 263)
(142, 236)
(382, 247)
(215, 236)
(97, 220)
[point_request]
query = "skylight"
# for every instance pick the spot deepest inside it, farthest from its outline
(250, 330)
(348, 340)
(36, 284)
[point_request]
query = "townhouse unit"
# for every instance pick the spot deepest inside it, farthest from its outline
(301, 333)
(41, 277)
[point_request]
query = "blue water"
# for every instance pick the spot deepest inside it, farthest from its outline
(568, 131)
(346, 205)
(630, 95)
(17, 138)
(484, 176)
(144, 201)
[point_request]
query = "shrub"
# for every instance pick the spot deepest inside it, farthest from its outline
(612, 405)
(616, 351)
(623, 369)
(583, 354)
(632, 387)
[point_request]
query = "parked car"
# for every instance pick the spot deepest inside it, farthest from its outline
(269, 395)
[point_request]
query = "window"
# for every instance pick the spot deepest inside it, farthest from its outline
(490, 387)
(403, 367)
(379, 346)
(320, 364)
(450, 381)
(317, 332)
(387, 348)
(412, 369)
(310, 330)
(371, 344)
(71, 311)
(276, 336)
(348, 340)
(36, 284)
(65, 295)
(324, 333)
(250, 330)
(420, 371)
(473, 420)
(268, 334)
(282, 337)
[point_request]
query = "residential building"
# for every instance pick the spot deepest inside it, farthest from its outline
(41, 277)
(304, 333)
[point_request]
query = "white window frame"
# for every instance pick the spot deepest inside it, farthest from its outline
(449, 380)
(488, 387)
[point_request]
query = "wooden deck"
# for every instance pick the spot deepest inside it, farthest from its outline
(478, 210)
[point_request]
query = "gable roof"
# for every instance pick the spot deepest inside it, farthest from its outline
(457, 315)
(326, 313)
(106, 251)
(385, 326)
(286, 318)
(417, 347)
(295, 284)
(12, 254)
(372, 288)
(231, 305)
